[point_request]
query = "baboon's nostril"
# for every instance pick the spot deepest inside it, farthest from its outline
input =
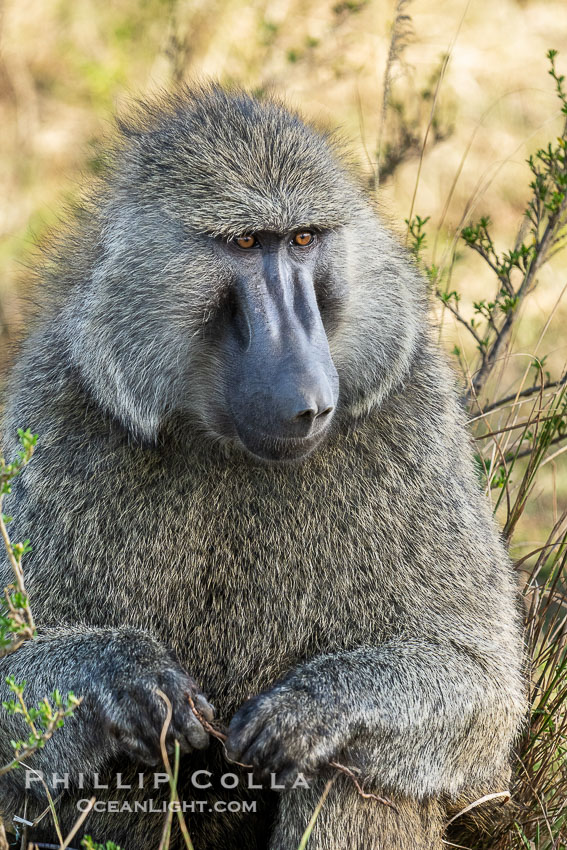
(307, 414)
(326, 412)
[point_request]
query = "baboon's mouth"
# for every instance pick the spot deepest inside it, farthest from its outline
(274, 449)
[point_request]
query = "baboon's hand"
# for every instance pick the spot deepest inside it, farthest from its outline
(129, 710)
(285, 731)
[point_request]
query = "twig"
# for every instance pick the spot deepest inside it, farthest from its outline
(540, 257)
(524, 424)
(548, 385)
(222, 736)
(45, 736)
(22, 618)
(366, 794)
(207, 726)
(396, 45)
(444, 65)
(50, 803)
(11, 557)
(553, 442)
(463, 321)
(166, 833)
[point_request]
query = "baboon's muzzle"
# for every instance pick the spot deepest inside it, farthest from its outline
(283, 386)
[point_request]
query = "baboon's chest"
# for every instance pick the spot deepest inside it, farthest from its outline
(243, 574)
(261, 580)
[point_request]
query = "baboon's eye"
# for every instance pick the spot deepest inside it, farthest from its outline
(303, 238)
(246, 241)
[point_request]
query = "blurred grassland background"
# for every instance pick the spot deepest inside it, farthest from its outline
(67, 65)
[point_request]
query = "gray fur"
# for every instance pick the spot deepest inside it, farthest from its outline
(363, 597)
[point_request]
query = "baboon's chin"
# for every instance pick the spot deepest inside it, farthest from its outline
(265, 448)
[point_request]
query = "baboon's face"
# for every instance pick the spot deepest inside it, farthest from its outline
(231, 254)
(281, 384)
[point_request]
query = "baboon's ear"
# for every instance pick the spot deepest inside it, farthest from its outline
(116, 374)
(131, 325)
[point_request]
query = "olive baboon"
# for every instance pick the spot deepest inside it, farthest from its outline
(252, 470)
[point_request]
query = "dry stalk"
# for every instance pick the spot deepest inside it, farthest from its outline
(221, 736)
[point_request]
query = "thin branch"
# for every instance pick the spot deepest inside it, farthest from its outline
(528, 282)
(348, 771)
(43, 736)
(527, 452)
(444, 66)
(524, 424)
(548, 385)
(221, 735)
(396, 46)
(461, 319)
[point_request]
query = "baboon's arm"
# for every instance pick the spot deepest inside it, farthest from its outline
(116, 672)
(416, 716)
